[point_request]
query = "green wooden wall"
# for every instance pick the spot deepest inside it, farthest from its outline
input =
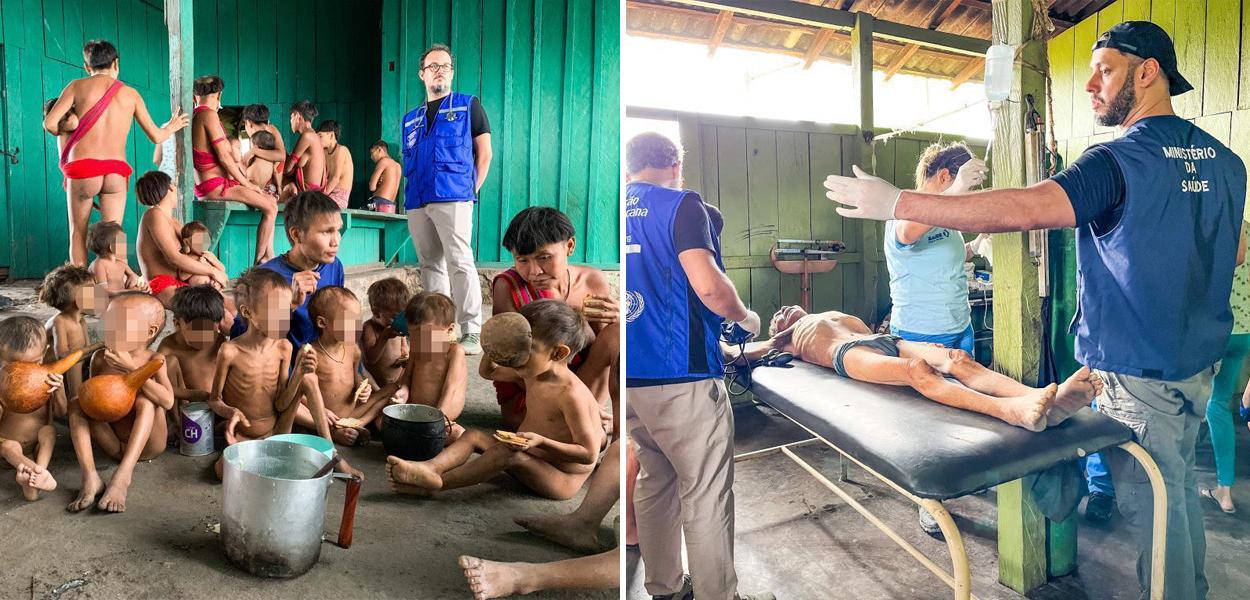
(1211, 53)
(766, 177)
(261, 58)
(257, 47)
(41, 42)
(548, 75)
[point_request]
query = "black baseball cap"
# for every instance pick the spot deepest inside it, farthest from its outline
(1146, 40)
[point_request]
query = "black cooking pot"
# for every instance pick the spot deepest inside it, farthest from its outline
(413, 431)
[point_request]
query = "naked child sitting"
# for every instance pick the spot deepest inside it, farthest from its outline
(559, 441)
(845, 344)
(111, 268)
(72, 291)
(131, 323)
(385, 349)
(350, 402)
(27, 439)
(437, 371)
(191, 350)
(252, 390)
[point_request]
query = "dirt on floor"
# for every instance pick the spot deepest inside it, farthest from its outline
(164, 545)
(797, 539)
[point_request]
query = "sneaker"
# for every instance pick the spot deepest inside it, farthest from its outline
(1098, 508)
(472, 343)
(929, 525)
(686, 592)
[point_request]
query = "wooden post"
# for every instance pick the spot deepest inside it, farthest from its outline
(861, 154)
(179, 22)
(1017, 307)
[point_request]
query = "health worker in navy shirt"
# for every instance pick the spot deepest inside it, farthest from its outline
(1158, 215)
(678, 414)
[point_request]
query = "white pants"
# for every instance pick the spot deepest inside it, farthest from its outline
(441, 233)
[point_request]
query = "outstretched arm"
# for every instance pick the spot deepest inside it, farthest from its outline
(1044, 205)
(177, 121)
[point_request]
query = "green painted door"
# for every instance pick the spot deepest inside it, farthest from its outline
(6, 250)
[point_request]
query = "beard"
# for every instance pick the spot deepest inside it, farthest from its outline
(1121, 105)
(439, 88)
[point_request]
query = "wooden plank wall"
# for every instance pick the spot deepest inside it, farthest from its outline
(244, 41)
(548, 75)
(766, 177)
(42, 48)
(1212, 53)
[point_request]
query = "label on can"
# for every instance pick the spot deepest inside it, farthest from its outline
(197, 430)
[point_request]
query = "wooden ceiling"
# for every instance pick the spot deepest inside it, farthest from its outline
(690, 22)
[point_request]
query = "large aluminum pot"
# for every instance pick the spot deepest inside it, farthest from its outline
(273, 511)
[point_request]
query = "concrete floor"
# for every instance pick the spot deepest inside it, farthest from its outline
(163, 547)
(798, 540)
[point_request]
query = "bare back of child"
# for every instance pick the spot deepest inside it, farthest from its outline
(107, 240)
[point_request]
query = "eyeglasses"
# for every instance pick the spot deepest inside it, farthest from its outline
(437, 67)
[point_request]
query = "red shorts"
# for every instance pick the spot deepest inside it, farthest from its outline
(206, 187)
(160, 283)
(85, 168)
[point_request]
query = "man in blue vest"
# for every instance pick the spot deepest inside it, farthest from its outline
(446, 155)
(1158, 215)
(678, 414)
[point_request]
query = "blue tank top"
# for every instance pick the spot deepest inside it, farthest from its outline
(1153, 291)
(673, 336)
(928, 286)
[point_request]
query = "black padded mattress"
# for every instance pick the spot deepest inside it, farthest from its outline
(931, 450)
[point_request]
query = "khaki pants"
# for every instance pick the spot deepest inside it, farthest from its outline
(684, 436)
(441, 233)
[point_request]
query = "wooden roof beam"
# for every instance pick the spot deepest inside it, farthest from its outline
(823, 36)
(943, 13)
(974, 66)
(823, 17)
(723, 21)
(900, 58)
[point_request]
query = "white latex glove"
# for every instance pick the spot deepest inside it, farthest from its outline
(863, 196)
(971, 175)
(751, 323)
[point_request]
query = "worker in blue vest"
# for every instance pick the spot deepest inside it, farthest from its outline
(446, 155)
(1158, 215)
(678, 412)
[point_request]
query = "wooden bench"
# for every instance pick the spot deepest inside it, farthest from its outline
(368, 236)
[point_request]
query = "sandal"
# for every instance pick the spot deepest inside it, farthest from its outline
(1209, 494)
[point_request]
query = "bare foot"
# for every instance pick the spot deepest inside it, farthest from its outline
(490, 579)
(114, 499)
(564, 530)
(33, 480)
(413, 473)
(1073, 395)
(91, 486)
(1029, 411)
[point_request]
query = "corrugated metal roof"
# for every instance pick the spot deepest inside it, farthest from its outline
(677, 20)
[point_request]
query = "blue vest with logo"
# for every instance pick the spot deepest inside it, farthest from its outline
(439, 164)
(673, 336)
(1153, 291)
